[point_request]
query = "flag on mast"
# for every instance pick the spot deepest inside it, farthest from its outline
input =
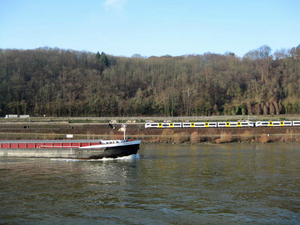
(123, 128)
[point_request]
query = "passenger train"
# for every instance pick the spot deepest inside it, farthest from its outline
(223, 124)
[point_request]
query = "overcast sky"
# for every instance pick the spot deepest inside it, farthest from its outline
(150, 27)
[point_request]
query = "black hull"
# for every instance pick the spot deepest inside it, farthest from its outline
(115, 152)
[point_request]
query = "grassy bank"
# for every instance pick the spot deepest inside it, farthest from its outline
(59, 129)
(168, 136)
(224, 137)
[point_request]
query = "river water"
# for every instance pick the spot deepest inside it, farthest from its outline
(163, 184)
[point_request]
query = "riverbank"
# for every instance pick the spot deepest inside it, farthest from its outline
(52, 131)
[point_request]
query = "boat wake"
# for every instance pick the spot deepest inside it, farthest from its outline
(125, 158)
(66, 160)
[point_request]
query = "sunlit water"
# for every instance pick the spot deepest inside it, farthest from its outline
(163, 184)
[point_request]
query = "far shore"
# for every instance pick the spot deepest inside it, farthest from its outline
(51, 131)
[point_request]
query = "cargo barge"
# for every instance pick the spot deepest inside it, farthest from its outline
(72, 149)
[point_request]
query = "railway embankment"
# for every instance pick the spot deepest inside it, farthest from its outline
(59, 130)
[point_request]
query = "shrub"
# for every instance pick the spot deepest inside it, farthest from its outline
(246, 136)
(195, 137)
(264, 138)
(181, 137)
(167, 135)
(226, 137)
(218, 141)
(288, 135)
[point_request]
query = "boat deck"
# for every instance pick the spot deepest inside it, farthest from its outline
(48, 143)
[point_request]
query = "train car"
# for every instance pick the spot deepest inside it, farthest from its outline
(225, 124)
(211, 124)
(151, 125)
(163, 125)
(186, 124)
(206, 124)
(236, 124)
(282, 123)
(176, 125)
(262, 124)
(274, 123)
(296, 123)
(229, 124)
(247, 124)
(200, 124)
(222, 124)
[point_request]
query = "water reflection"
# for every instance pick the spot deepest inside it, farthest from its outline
(232, 178)
(213, 184)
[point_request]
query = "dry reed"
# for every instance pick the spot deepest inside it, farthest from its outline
(226, 137)
(195, 137)
(247, 136)
(181, 137)
(167, 135)
(288, 135)
(264, 138)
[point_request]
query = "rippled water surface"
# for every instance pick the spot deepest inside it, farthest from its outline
(164, 184)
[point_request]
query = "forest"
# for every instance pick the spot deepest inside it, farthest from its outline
(58, 82)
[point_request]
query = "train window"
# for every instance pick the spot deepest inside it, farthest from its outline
(244, 124)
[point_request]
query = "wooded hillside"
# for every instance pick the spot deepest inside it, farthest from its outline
(56, 82)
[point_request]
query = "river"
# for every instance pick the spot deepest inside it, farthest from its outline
(163, 184)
